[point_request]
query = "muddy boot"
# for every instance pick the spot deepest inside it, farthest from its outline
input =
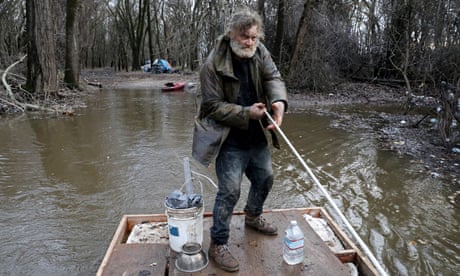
(259, 223)
(223, 257)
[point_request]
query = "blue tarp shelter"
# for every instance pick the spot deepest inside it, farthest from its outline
(161, 66)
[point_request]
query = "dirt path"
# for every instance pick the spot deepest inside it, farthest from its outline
(136, 80)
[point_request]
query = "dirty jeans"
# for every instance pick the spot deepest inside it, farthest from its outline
(231, 164)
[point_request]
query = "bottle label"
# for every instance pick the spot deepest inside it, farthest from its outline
(294, 244)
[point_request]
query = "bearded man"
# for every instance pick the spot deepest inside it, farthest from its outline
(239, 83)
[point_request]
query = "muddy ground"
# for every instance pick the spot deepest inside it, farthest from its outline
(396, 132)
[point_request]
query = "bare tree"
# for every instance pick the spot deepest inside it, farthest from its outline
(149, 31)
(398, 37)
(279, 31)
(72, 53)
(323, 40)
(41, 60)
(12, 24)
(302, 34)
(261, 8)
(158, 10)
(132, 18)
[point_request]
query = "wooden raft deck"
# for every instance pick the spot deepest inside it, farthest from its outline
(257, 254)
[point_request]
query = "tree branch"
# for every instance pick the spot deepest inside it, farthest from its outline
(14, 102)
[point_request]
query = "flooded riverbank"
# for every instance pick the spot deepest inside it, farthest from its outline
(66, 182)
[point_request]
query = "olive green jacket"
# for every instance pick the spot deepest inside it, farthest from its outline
(220, 89)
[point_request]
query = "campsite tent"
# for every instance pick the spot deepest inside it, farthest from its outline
(161, 66)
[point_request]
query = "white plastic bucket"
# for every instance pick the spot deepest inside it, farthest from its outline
(184, 225)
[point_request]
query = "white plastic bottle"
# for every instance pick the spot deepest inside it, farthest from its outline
(293, 250)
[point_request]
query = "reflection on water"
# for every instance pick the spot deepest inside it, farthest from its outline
(65, 183)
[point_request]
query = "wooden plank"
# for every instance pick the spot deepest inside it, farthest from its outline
(257, 254)
(262, 255)
(136, 219)
(121, 234)
(117, 239)
(346, 256)
(365, 267)
(138, 259)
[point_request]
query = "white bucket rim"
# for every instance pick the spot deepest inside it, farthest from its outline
(184, 209)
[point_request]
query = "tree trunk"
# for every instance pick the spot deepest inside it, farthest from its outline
(279, 31)
(261, 8)
(156, 10)
(133, 23)
(139, 33)
(302, 33)
(149, 31)
(72, 60)
(165, 51)
(397, 38)
(41, 50)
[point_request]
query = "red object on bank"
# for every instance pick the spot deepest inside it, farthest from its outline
(173, 86)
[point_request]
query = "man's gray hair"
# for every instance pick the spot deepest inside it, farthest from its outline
(243, 20)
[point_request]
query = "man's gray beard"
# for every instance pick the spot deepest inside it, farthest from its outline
(242, 52)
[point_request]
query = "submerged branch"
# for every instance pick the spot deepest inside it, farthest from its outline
(20, 105)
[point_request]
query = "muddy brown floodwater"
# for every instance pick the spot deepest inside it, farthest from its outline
(356, 105)
(66, 182)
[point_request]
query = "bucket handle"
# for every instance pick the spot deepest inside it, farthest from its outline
(185, 183)
(207, 178)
